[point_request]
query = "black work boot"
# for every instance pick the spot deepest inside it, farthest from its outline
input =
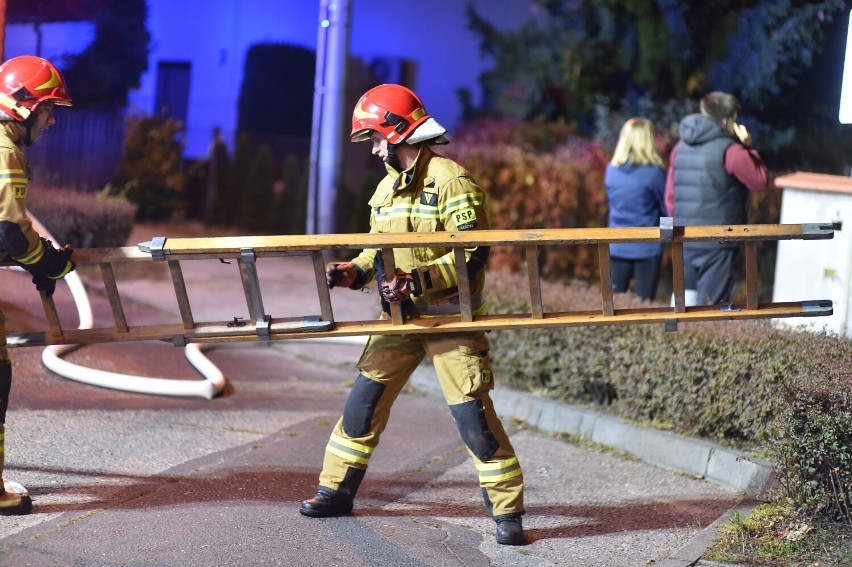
(14, 499)
(325, 504)
(509, 530)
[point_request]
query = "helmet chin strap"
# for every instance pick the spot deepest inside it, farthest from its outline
(27, 138)
(393, 160)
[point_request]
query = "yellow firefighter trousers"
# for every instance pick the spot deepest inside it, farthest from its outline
(462, 364)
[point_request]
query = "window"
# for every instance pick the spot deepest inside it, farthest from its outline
(172, 98)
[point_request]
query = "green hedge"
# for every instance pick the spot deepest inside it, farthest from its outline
(814, 448)
(744, 384)
(85, 220)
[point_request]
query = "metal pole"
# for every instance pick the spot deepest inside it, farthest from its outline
(329, 88)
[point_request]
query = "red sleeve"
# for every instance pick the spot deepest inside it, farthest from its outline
(669, 195)
(746, 165)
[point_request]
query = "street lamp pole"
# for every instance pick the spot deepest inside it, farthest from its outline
(329, 90)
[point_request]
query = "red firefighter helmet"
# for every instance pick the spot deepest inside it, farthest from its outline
(391, 110)
(27, 81)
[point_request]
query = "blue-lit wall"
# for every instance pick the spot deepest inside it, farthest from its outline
(215, 36)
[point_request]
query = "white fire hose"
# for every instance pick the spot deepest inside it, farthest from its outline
(213, 380)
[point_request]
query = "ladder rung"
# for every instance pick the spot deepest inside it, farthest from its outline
(390, 270)
(51, 315)
(464, 284)
(751, 275)
(180, 294)
(677, 277)
(534, 277)
(114, 298)
(322, 287)
(606, 280)
(251, 287)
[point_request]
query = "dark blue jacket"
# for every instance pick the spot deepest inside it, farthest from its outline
(635, 195)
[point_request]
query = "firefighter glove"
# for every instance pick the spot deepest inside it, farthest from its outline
(401, 287)
(44, 284)
(51, 265)
(340, 274)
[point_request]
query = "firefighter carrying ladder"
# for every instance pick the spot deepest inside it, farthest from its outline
(178, 253)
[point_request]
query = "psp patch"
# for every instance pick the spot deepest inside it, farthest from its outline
(465, 219)
(20, 191)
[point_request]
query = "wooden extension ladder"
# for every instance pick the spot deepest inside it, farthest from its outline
(245, 250)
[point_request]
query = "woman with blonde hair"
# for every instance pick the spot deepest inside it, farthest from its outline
(635, 186)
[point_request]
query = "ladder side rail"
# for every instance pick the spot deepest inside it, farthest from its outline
(534, 279)
(222, 332)
(322, 286)
(114, 255)
(181, 295)
(607, 304)
(217, 247)
(111, 289)
(754, 232)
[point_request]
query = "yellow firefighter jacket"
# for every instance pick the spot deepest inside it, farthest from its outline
(20, 241)
(435, 194)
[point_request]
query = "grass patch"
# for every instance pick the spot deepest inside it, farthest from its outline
(774, 535)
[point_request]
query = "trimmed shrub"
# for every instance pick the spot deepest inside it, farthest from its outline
(744, 384)
(813, 451)
(85, 220)
(537, 176)
(149, 172)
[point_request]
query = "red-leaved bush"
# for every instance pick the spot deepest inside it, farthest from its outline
(537, 176)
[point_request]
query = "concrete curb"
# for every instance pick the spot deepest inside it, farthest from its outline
(690, 554)
(732, 469)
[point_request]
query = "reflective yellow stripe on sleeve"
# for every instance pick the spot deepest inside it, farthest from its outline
(490, 473)
(463, 200)
(63, 273)
(447, 266)
(34, 256)
(349, 450)
(13, 175)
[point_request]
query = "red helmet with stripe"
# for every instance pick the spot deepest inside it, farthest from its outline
(391, 110)
(27, 81)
